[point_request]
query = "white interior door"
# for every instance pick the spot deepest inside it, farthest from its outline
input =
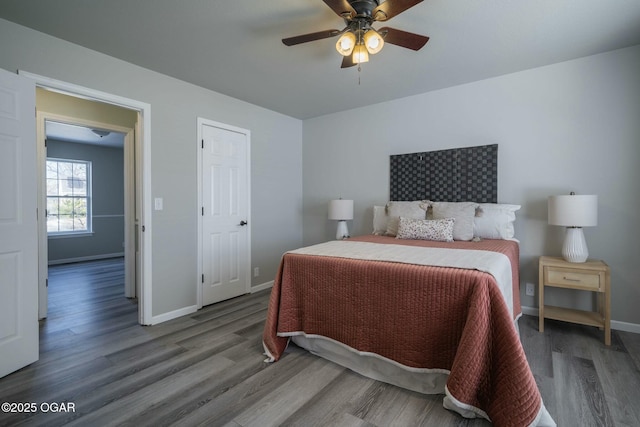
(138, 206)
(18, 224)
(225, 212)
(43, 242)
(130, 218)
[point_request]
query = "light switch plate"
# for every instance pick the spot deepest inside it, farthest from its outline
(158, 203)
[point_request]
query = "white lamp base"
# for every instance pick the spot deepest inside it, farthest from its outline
(574, 248)
(342, 232)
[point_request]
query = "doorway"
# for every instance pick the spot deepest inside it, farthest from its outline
(138, 169)
(71, 225)
(85, 193)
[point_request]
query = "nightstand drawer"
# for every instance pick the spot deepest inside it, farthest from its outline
(569, 278)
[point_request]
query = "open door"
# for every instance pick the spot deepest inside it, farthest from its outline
(18, 224)
(131, 256)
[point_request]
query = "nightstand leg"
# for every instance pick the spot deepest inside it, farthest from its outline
(607, 313)
(600, 308)
(540, 299)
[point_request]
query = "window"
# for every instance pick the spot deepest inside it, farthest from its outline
(68, 196)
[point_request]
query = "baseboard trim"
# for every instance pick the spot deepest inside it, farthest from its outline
(261, 287)
(615, 324)
(85, 258)
(173, 314)
(192, 309)
(530, 311)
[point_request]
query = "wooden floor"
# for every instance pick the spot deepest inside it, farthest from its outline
(208, 369)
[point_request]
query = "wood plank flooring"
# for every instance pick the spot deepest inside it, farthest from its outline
(208, 369)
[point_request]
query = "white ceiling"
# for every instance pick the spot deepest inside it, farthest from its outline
(84, 135)
(234, 47)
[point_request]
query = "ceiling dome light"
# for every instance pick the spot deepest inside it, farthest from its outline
(373, 41)
(101, 133)
(360, 54)
(346, 43)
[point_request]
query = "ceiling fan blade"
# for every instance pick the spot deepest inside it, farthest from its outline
(347, 61)
(342, 8)
(402, 38)
(304, 38)
(391, 8)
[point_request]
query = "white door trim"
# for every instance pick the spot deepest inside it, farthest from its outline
(143, 165)
(200, 122)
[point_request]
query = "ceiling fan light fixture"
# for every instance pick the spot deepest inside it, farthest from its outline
(358, 39)
(373, 41)
(360, 54)
(346, 43)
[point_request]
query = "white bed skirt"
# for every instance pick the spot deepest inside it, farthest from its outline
(421, 380)
(371, 365)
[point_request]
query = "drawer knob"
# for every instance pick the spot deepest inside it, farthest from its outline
(569, 279)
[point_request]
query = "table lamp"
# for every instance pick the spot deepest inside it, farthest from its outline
(574, 212)
(341, 210)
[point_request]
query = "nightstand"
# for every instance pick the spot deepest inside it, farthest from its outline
(592, 275)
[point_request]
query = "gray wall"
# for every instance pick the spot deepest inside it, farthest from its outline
(107, 170)
(569, 126)
(572, 126)
(276, 156)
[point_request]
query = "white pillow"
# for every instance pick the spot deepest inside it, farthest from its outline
(495, 221)
(426, 229)
(406, 209)
(463, 212)
(380, 218)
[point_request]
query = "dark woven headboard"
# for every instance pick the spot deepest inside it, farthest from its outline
(456, 175)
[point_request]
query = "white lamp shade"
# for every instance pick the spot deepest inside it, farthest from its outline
(341, 209)
(573, 210)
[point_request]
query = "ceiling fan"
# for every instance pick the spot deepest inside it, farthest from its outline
(359, 39)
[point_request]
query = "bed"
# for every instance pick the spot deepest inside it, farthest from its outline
(426, 312)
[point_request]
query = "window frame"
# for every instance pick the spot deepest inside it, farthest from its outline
(87, 197)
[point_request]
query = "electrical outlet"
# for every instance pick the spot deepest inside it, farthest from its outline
(530, 290)
(256, 271)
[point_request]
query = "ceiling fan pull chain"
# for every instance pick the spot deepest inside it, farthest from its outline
(359, 69)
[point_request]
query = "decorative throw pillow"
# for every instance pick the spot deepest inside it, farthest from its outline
(406, 209)
(463, 212)
(495, 221)
(426, 229)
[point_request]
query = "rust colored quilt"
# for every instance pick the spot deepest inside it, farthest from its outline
(419, 316)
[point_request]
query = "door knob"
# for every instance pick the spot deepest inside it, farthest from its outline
(243, 222)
